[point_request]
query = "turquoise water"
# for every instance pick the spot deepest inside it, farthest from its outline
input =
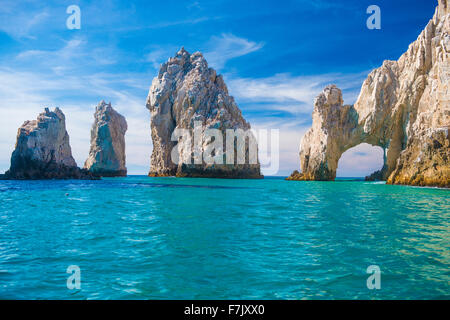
(176, 238)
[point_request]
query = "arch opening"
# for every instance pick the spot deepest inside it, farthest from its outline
(361, 161)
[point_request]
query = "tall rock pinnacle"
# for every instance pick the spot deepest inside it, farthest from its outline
(403, 107)
(107, 153)
(188, 95)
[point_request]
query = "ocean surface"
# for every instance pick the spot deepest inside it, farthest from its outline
(181, 238)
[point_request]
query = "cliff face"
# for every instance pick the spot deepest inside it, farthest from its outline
(43, 151)
(187, 94)
(403, 107)
(107, 152)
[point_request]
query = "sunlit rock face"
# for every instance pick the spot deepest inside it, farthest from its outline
(325, 142)
(186, 93)
(107, 152)
(43, 151)
(403, 107)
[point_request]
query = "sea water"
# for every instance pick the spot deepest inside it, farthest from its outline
(180, 238)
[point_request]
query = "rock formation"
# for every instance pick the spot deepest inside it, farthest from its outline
(403, 107)
(43, 151)
(323, 144)
(187, 93)
(107, 153)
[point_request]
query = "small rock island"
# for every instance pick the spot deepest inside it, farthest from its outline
(403, 107)
(107, 152)
(43, 151)
(186, 91)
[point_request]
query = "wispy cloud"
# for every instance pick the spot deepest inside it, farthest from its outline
(160, 54)
(228, 46)
(73, 55)
(195, 5)
(69, 50)
(219, 50)
(293, 94)
(167, 24)
(19, 23)
(181, 22)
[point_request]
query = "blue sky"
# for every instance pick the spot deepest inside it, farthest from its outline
(276, 56)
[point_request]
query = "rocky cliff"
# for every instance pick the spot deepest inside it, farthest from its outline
(187, 94)
(43, 151)
(403, 107)
(107, 152)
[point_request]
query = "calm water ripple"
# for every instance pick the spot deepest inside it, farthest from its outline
(167, 238)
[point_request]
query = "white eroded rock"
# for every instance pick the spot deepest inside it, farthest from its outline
(43, 151)
(403, 107)
(107, 152)
(185, 93)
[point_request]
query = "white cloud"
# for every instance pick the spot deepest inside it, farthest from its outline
(194, 6)
(19, 23)
(228, 46)
(219, 50)
(74, 53)
(293, 94)
(68, 51)
(160, 54)
(167, 24)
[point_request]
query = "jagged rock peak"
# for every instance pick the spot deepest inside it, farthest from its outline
(107, 152)
(43, 151)
(330, 96)
(403, 107)
(186, 91)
